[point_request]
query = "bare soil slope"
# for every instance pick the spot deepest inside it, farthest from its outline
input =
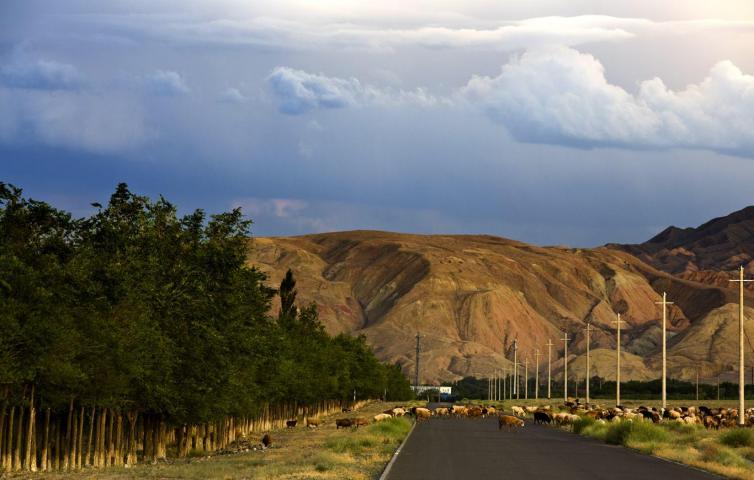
(470, 296)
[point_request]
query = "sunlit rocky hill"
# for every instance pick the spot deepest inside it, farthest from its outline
(470, 296)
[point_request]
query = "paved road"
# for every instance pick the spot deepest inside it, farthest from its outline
(443, 449)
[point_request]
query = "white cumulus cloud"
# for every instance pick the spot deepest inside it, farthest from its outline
(166, 83)
(561, 96)
(297, 92)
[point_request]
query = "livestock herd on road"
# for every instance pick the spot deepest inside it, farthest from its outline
(568, 413)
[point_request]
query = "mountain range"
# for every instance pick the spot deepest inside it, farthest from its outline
(470, 296)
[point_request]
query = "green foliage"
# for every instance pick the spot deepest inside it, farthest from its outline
(582, 423)
(628, 433)
(644, 432)
(137, 308)
(737, 437)
(617, 433)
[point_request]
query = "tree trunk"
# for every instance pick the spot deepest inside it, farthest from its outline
(80, 446)
(58, 442)
(19, 440)
(101, 454)
(30, 455)
(74, 440)
(131, 447)
(89, 453)
(110, 444)
(118, 439)
(46, 440)
(2, 434)
(147, 422)
(67, 449)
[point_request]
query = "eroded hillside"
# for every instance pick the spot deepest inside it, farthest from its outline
(471, 296)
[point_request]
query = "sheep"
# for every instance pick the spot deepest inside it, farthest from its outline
(518, 411)
(398, 412)
(343, 423)
(441, 411)
(381, 417)
(509, 421)
(266, 440)
(312, 422)
(530, 409)
(422, 413)
(359, 421)
(542, 417)
(291, 423)
(474, 412)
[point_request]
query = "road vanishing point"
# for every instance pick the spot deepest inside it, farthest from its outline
(474, 449)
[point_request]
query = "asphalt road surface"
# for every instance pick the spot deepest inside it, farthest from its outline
(443, 449)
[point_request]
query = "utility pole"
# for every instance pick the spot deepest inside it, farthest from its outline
(697, 384)
(565, 367)
(617, 368)
(536, 377)
(515, 368)
(588, 338)
(489, 389)
(718, 386)
(416, 365)
(741, 282)
(549, 366)
(505, 383)
(664, 304)
(526, 378)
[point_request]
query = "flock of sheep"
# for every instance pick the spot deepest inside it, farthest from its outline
(569, 413)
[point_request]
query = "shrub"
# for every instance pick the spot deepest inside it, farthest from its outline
(642, 432)
(617, 433)
(395, 427)
(582, 423)
(737, 437)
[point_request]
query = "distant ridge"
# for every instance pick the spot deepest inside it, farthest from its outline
(702, 253)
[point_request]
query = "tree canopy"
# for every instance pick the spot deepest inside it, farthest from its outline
(136, 307)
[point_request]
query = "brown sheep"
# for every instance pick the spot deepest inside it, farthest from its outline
(423, 413)
(509, 421)
(474, 412)
(343, 423)
(312, 422)
(359, 421)
(291, 423)
(266, 440)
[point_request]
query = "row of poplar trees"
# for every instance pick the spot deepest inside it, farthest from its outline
(127, 327)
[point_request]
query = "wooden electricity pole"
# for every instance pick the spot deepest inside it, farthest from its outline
(565, 366)
(536, 376)
(526, 378)
(588, 338)
(617, 367)
(664, 304)
(549, 366)
(503, 373)
(697, 384)
(515, 368)
(416, 365)
(741, 384)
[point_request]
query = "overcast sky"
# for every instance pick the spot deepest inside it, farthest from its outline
(576, 122)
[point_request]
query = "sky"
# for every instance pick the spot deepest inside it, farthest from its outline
(576, 122)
